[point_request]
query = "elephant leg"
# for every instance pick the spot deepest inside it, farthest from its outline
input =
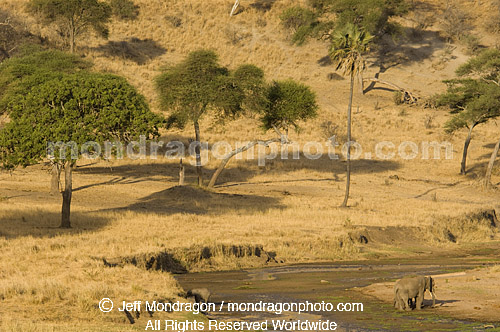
(404, 302)
(397, 299)
(419, 301)
(400, 304)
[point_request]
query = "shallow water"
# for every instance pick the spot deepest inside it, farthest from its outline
(333, 283)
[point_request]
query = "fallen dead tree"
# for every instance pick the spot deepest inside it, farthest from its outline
(233, 153)
(407, 97)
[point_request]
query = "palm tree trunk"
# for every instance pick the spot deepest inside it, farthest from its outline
(67, 193)
(197, 150)
(348, 178)
(487, 178)
(463, 170)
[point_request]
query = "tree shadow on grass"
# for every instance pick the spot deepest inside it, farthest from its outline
(263, 5)
(406, 51)
(195, 200)
(137, 50)
(234, 172)
(331, 168)
(42, 223)
(241, 172)
(487, 155)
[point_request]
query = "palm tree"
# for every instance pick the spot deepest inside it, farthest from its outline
(347, 49)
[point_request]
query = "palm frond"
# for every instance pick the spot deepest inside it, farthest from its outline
(347, 49)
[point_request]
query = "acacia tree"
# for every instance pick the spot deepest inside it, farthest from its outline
(288, 103)
(30, 68)
(70, 112)
(73, 17)
(474, 99)
(346, 51)
(199, 85)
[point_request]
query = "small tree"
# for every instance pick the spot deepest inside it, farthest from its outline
(73, 17)
(346, 51)
(301, 21)
(288, 103)
(73, 110)
(473, 100)
(199, 85)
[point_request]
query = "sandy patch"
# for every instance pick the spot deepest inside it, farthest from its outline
(466, 295)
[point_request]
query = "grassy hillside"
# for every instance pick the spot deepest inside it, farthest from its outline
(52, 279)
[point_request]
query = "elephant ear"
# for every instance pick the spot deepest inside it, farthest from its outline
(429, 284)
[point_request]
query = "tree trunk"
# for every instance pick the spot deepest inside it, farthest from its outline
(466, 148)
(407, 95)
(361, 84)
(487, 178)
(235, 7)
(181, 173)
(233, 153)
(66, 194)
(72, 32)
(56, 178)
(348, 178)
(197, 150)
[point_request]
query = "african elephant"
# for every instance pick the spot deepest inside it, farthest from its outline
(409, 288)
(200, 294)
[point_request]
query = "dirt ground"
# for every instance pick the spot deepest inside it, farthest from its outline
(470, 295)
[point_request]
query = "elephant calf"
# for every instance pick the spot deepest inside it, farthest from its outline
(409, 288)
(199, 294)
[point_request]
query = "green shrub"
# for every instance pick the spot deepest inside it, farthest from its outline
(398, 97)
(471, 43)
(296, 17)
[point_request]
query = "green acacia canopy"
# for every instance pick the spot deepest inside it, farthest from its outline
(289, 103)
(78, 107)
(475, 97)
(32, 67)
(199, 84)
(73, 17)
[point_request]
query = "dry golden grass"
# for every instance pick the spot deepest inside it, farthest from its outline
(52, 279)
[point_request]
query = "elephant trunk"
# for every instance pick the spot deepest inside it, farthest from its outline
(433, 299)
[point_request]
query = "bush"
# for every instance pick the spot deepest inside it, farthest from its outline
(492, 22)
(296, 17)
(471, 43)
(454, 23)
(398, 97)
(125, 9)
(301, 21)
(175, 21)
